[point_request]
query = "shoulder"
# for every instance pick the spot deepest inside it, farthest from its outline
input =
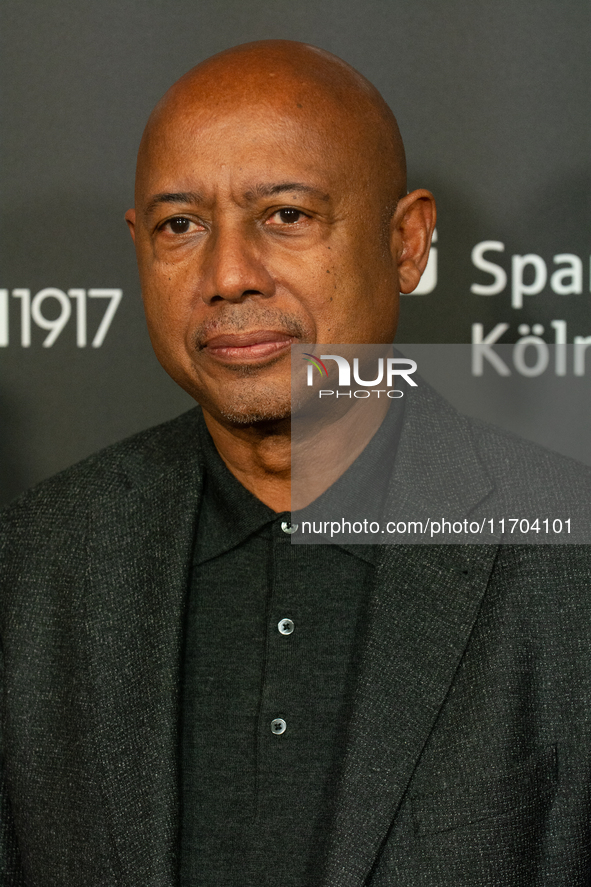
(139, 459)
(524, 471)
(451, 466)
(515, 466)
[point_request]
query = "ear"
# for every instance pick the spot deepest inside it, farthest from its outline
(130, 219)
(411, 230)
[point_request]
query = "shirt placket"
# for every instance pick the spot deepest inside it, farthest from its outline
(279, 728)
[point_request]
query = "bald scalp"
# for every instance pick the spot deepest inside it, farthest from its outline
(297, 80)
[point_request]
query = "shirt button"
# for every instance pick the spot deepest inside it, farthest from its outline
(278, 726)
(288, 527)
(285, 626)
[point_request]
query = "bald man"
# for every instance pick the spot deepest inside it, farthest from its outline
(188, 698)
(256, 228)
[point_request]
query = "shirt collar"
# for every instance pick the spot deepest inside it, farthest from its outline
(230, 513)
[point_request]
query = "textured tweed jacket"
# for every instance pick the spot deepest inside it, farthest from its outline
(469, 752)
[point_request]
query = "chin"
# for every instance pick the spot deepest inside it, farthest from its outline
(255, 408)
(242, 416)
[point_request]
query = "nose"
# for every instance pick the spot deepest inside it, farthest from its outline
(233, 266)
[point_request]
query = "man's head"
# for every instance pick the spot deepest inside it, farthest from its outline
(271, 209)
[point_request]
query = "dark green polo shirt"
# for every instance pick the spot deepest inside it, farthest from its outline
(272, 646)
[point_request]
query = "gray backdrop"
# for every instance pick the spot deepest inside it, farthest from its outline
(493, 103)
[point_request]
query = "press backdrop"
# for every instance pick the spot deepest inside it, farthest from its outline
(493, 104)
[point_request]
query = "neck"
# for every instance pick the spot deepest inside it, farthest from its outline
(260, 457)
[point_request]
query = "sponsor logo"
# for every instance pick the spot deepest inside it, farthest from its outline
(91, 313)
(531, 355)
(528, 275)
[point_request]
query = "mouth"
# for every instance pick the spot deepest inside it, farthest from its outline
(251, 347)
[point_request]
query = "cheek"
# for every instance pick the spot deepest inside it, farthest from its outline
(165, 318)
(363, 307)
(164, 293)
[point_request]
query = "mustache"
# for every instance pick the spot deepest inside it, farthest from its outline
(250, 319)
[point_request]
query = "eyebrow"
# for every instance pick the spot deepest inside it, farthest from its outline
(282, 187)
(173, 197)
(251, 194)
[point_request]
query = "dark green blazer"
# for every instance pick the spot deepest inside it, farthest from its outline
(468, 757)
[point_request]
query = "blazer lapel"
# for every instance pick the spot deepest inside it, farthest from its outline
(141, 548)
(424, 605)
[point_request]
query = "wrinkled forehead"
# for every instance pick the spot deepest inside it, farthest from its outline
(238, 143)
(278, 125)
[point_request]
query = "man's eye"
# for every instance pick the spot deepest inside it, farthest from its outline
(179, 225)
(287, 216)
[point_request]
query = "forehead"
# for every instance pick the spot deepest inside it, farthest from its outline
(248, 143)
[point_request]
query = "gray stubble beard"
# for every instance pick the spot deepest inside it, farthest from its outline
(243, 411)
